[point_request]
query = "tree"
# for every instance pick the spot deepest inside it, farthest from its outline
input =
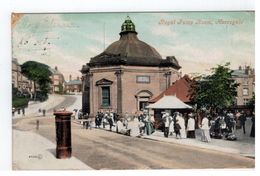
(215, 91)
(61, 88)
(251, 102)
(40, 74)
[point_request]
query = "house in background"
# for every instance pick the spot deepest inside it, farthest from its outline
(57, 79)
(245, 76)
(73, 85)
(19, 81)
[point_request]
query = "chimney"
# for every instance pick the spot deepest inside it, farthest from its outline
(56, 68)
(70, 77)
(240, 68)
(247, 70)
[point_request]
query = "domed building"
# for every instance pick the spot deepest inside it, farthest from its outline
(126, 75)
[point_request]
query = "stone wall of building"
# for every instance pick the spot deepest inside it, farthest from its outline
(245, 77)
(138, 84)
(245, 90)
(19, 81)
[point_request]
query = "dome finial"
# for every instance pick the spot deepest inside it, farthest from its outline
(128, 17)
(128, 26)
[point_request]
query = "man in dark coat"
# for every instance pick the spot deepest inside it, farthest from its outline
(243, 122)
(252, 134)
(177, 129)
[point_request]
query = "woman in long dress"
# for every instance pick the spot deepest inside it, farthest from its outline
(171, 125)
(166, 120)
(191, 127)
(134, 126)
(205, 137)
(181, 122)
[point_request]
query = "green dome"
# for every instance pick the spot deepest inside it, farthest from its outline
(128, 26)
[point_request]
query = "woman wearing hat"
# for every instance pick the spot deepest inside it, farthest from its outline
(181, 122)
(191, 126)
(166, 119)
(205, 129)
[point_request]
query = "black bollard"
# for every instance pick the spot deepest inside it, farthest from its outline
(63, 134)
(37, 124)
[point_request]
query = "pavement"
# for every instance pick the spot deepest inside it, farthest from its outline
(244, 145)
(235, 147)
(40, 155)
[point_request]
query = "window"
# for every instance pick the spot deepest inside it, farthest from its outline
(143, 79)
(56, 77)
(105, 96)
(245, 81)
(246, 101)
(56, 82)
(56, 89)
(245, 91)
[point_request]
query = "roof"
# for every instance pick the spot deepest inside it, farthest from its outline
(54, 71)
(73, 82)
(239, 73)
(14, 60)
(181, 88)
(129, 50)
(169, 102)
(130, 46)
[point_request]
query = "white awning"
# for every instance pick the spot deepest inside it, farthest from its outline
(169, 102)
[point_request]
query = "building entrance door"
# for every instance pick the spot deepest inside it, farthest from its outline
(142, 105)
(142, 99)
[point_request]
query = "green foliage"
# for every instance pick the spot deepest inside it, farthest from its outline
(60, 88)
(251, 102)
(40, 74)
(41, 95)
(18, 99)
(36, 71)
(18, 102)
(217, 90)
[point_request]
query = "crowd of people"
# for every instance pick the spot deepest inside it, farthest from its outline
(216, 125)
(181, 125)
(141, 123)
(178, 125)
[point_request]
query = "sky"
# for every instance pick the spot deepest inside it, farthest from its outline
(198, 40)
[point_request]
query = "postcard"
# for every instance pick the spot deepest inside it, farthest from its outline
(133, 90)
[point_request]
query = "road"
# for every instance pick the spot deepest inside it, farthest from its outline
(101, 149)
(54, 101)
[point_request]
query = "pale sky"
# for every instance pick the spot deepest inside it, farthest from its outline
(70, 40)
